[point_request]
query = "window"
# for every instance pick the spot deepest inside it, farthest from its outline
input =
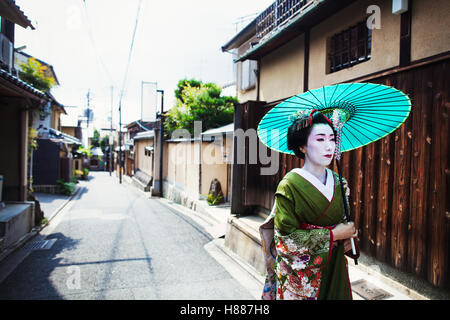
(148, 151)
(7, 28)
(350, 47)
(248, 74)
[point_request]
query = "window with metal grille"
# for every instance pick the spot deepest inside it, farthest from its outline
(350, 47)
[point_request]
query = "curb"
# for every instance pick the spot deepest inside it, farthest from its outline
(238, 269)
(57, 210)
(220, 243)
(37, 229)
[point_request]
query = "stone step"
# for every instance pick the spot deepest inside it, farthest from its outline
(16, 220)
(243, 238)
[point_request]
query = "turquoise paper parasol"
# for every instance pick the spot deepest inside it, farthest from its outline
(371, 112)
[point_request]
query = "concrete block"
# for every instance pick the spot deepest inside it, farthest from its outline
(242, 237)
(16, 221)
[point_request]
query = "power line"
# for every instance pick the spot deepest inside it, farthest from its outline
(123, 88)
(91, 38)
(130, 53)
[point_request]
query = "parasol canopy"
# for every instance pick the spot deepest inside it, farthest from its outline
(370, 112)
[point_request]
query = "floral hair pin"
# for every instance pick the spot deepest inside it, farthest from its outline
(338, 118)
(303, 118)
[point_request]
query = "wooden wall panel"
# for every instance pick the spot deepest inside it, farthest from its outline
(421, 119)
(438, 222)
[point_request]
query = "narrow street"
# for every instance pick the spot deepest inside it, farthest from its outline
(113, 243)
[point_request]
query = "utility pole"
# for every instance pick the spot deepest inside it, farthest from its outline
(88, 115)
(88, 96)
(120, 141)
(111, 139)
(161, 121)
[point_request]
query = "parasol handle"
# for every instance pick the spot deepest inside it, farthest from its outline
(346, 209)
(352, 241)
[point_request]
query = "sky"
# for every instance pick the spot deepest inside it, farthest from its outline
(88, 44)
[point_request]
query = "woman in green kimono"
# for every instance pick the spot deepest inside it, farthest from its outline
(311, 236)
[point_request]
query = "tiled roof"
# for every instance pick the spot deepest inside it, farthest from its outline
(22, 84)
(55, 134)
(144, 135)
(11, 11)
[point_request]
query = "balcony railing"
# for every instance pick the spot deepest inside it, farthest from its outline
(277, 14)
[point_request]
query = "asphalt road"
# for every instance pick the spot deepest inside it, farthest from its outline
(113, 243)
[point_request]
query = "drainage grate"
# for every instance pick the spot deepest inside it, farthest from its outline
(40, 245)
(369, 291)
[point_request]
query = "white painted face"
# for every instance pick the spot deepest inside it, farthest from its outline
(320, 146)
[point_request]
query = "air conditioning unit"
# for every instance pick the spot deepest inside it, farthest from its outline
(399, 6)
(6, 51)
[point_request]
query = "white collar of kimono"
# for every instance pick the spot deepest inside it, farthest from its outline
(326, 189)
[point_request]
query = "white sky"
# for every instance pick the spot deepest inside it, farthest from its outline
(175, 39)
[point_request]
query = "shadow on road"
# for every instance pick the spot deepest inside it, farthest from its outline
(42, 274)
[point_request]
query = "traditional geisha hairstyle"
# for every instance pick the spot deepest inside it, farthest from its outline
(299, 130)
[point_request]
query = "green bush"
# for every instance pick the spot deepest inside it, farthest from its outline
(85, 173)
(214, 200)
(66, 188)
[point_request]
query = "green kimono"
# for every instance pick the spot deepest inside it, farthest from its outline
(304, 261)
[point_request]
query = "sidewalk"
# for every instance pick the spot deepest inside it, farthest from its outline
(367, 280)
(51, 204)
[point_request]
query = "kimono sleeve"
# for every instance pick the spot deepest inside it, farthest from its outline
(313, 247)
(285, 219)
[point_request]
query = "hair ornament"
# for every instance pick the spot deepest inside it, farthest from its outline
(303, 117)
(338, 118)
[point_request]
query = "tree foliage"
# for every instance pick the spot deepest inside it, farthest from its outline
(33, 72)
(95, 141)
(197, 101)
(85, 151)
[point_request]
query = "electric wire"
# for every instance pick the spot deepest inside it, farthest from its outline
(129, 55)
(91, 38)
(123, 88)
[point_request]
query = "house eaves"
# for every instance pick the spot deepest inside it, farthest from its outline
(142, 125)
(144, 135)
(310, 16)
(9, 10)
(245, 34)
(227, 129)
(63, 137)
